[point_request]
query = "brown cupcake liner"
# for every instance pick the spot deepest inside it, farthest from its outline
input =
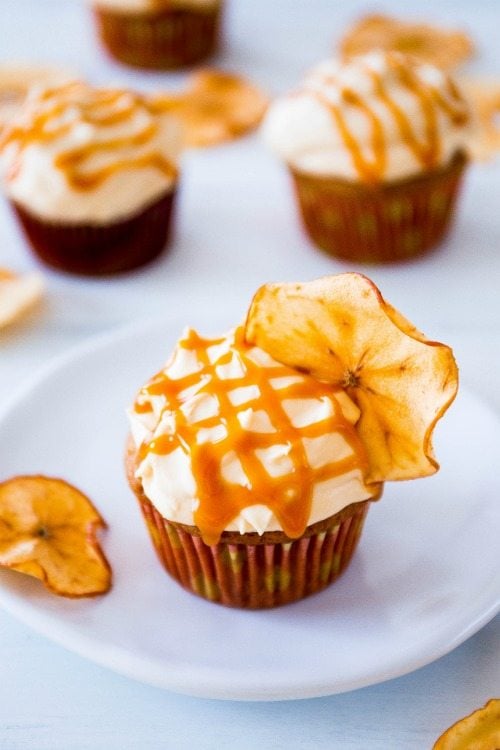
(241, 571)
(379, 224)
(163, 40)
(89, 249)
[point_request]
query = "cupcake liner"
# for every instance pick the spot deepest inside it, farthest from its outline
(164, 40)
(379, 224)
(253, 573)
(90, 249)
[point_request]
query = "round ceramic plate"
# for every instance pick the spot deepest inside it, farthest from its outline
(421, 582)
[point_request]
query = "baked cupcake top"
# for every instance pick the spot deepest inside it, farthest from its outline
(78, 154)
(230, 439)
(154, 6)
(379, 117)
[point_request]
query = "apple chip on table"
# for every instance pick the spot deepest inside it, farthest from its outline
(18, 293)
(48, 529)
(478, 731)
(483, 94)
(215, 107)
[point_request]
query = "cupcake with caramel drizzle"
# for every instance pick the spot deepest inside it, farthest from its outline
(91, 174)
(376, 147)
(254, 472)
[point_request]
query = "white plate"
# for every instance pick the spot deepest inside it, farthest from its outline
(423, 579)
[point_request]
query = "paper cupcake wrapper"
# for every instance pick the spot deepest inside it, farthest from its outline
(255, 576)
(89, 249)
(164, 40)
(381, 224)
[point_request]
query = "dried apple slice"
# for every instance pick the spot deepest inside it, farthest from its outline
(484, 95)
(341, 330)
(478, 731)
(442, 47)
(215, 107)
(17, 294)
(48, 529)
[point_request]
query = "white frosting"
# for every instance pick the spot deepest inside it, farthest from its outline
(33, 179)
(152, 6)
(301, 128)
(168, 480)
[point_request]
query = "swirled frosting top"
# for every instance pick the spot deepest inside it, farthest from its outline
(381, 116)
(230, 439)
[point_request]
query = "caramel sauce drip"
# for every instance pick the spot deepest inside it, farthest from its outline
(371, 163)
(370, 170)
(289, 497)
(100, 108)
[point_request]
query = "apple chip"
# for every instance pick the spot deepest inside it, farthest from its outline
(216, 107)
(17, 294)
(48, 530)
(443, 48)
(479, 731)
(341, 330)
(484, 96)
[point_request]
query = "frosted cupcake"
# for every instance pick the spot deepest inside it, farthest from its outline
(159, 34)
(92, 174)
(255, 456)
(376, 148)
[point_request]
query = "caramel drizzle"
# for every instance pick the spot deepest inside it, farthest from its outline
(102, 108)
(289, 497)
(6, 275)
(431, 100)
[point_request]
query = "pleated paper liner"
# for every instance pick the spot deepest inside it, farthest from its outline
(163, 40)
(255, 572)
(91, 250)
(383, 223)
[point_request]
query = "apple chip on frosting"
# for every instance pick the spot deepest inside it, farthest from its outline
(479, 731)
(342, 331)
(48, 530)
(17, 294)
(444, 48)
(215, 107)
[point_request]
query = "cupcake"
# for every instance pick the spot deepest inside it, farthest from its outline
(159, 34)
(91, 174)
(255, 456)
(376, 148)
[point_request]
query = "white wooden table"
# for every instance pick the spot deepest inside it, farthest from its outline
(51, 699)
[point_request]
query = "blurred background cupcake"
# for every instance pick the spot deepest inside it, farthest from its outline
(91, 174)
(376, 148)
(159, 34)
